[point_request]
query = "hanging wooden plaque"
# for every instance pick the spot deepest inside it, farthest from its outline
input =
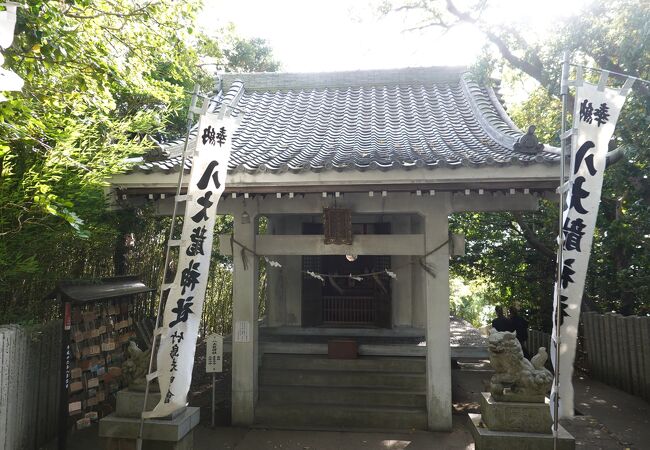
(337, 226)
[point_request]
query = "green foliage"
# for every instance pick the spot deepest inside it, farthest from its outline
(232, 53)
(515, 252)
(472, 300)
(512, 270)
(247, 55)
(96, 88)
(544, 111)
(104, 80)
(614, 36)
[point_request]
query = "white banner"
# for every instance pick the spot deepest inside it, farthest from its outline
(182, 315)
(594, 117)
(9, 81)
(7, 23)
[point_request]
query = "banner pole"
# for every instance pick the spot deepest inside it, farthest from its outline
(190, 116)
(564, 92)
(620, 74)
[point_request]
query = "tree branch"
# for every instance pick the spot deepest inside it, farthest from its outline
(99, 13)
(463, 16)
(432, 24)
(531, 237)
(535, 71)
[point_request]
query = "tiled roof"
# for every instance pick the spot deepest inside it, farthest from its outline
(396, 119)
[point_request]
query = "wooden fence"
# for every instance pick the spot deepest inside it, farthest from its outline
(537, 339)
(618, 351)
(30, 360)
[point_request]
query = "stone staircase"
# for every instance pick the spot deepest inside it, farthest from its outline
(312, 391)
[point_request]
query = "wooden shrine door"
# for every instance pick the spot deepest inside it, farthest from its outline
(343, 301)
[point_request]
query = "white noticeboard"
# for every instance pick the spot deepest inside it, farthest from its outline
(214, 354)
(242, 331)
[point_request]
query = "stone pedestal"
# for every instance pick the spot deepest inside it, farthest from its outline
(119, 431)
(515, 416)
(516, 426)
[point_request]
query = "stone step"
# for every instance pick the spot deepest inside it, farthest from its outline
(340, 416)
(318, 395)
(282, 377)
(380, 364)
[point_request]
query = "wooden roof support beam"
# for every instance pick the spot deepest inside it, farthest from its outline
(367, 244)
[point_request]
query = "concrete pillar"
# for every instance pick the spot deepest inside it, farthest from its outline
(245, 330)
(276, 307)
(402, 292)
(292, 276)
(436, 290)
(417, 277)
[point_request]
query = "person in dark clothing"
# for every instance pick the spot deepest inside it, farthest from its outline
(520, 326)
(501, 323)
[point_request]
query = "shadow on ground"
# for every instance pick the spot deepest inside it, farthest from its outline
(608, 419)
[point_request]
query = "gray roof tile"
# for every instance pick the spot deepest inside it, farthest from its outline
(370, 120)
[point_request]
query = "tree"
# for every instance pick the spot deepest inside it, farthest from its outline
(611, 35)
(247, 55)
(104, 81)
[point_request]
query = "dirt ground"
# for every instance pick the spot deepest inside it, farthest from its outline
(201, 389)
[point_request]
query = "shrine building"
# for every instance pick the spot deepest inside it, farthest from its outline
(356, 174)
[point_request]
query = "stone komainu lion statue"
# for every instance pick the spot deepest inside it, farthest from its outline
(134, 370)
(515, 378)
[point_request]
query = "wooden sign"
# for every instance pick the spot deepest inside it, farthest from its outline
(90, 350)
(96, 332)
(82, 423)
(67, 316)
(76, 351)
(74, 408)
(214, 353)
(337, 226)
(108, 346)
